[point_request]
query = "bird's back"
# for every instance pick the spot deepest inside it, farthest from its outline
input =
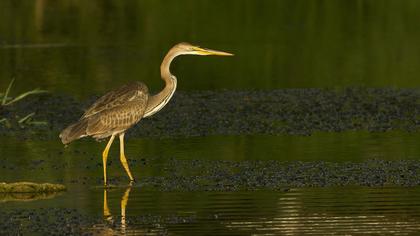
(113, 113)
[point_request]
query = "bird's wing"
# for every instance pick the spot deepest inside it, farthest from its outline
(133, 92)
(116, 119)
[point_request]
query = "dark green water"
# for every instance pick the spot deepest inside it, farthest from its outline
(66, 45)
(85, 48)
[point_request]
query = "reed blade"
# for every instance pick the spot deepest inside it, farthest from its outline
(3, 102)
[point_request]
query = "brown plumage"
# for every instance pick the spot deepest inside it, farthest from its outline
(113, 113)
(118, 110)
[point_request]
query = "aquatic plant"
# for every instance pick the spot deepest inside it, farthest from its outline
(7, 101)
(29, 187)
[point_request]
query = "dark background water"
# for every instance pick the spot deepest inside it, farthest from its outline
(88, 47)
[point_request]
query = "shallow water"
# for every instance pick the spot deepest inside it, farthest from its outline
(84, 48)
(317, 211)
(289, 211)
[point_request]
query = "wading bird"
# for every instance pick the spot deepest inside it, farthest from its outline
(118, 110)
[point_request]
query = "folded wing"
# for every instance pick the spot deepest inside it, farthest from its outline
(112, 113)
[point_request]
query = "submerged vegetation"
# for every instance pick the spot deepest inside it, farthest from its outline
(7, 100)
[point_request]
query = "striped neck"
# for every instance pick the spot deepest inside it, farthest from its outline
(158, 101)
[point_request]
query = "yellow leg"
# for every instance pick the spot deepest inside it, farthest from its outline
(105, 156)
(123, 159)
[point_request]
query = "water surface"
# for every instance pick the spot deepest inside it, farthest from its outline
(332, 210)
(303, 211)
(87, 47)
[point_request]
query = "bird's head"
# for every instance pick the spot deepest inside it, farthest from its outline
(186, 48)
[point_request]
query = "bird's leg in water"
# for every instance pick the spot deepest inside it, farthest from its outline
(105, 156)
(107, 213)
(124, 201)
(123, 159)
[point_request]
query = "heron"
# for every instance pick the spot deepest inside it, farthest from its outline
(120, 109)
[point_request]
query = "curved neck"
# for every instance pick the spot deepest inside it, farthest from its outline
(165, 72)
(159, 100)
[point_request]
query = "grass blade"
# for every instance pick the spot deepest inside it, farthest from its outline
(26, 118)
(3, 102)
(6, 122)
(23, 95)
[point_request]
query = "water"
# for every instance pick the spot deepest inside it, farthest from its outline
(321, 211)
(311, 211)
(84, 48)
(62, 46)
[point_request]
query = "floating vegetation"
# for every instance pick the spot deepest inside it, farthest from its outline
(29, 187)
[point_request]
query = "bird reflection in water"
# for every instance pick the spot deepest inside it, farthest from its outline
(107, 213)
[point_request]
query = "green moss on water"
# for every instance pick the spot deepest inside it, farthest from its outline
(28, 187)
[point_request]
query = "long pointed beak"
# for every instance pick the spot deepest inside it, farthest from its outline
(205, 52)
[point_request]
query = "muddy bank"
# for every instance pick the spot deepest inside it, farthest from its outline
(290, 111)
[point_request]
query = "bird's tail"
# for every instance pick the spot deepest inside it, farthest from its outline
(74, 131)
